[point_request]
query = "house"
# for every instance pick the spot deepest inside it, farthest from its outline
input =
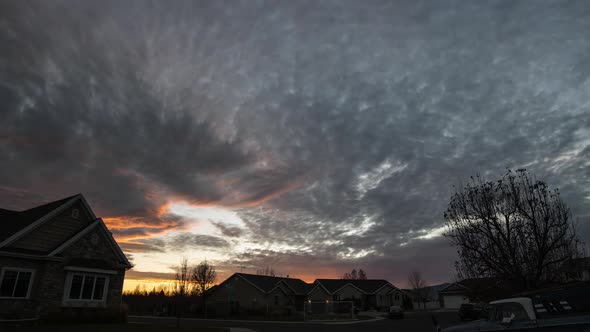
(577, 269)
(257, 294)
(427, 297)
(55, 257)
(366, 294)
(473, 290)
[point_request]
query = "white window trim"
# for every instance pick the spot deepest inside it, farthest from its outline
(68, 287)
(18, 269)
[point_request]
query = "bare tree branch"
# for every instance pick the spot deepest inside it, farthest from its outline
(515, 229)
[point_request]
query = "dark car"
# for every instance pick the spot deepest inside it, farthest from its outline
(471, 311)
(396, 312)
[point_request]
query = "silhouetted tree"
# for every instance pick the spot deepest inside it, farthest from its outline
(202, 277)
(418, 285)
(182, 279)
(362, 275)
(182, 284)
(515, 229)
(354, 275)
(266, 271)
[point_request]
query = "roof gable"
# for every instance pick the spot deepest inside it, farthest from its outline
(368, 286)
(298, 286)
(27, 220)
(454, 287)
(11, 222)
(15, 225)
(77, 246)
(268, 283)
(55, 230)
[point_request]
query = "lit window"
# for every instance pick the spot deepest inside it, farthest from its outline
(87, 287)
(16, 283)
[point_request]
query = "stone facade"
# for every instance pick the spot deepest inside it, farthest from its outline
(49, 279)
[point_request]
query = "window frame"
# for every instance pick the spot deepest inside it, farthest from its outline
(18, 270)
(68, 288)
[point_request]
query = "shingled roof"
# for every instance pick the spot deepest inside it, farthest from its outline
(299, 286)
(267, 283)
(368, 286)
(13, 221)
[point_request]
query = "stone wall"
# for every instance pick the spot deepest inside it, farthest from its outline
(47, 290)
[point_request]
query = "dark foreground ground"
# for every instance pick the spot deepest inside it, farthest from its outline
(414, 321)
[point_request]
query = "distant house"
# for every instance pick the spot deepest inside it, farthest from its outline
(56, 256)
(257, 294)
(473, 290)
(454, 295)
(248, 293)
(577, 269)
(366, 294)
(427, 297)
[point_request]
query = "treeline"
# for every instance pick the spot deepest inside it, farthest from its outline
(161, 301)
(141, 290)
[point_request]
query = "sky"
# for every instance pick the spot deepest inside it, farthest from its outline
(309, 136)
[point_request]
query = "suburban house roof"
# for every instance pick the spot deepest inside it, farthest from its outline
(268, 283)
(298, 286)
(467, 285)
(480, 289)
(368, 286)
(14, 225)
(430, 292)
(13, 221)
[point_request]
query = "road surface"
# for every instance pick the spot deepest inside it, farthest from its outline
(414, 321)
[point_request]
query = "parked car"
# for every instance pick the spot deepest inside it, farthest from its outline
(472, 311)
(396, 312)
(520, 314)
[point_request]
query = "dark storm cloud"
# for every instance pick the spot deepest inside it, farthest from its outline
(188, 241)
(347, 121)
(230, 231)
(184, 242)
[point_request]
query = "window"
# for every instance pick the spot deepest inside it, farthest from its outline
(86, 287)
(16, 283)
(75, 213)
(514, 311)
(276, 300)
(397, 297)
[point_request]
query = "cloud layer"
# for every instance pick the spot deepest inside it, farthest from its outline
(328, 134)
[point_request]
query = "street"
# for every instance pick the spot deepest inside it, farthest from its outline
(414, 321)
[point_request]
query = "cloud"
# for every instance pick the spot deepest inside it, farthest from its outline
(335, 130)
(230, 231)
(132, 274)
(187, 241)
